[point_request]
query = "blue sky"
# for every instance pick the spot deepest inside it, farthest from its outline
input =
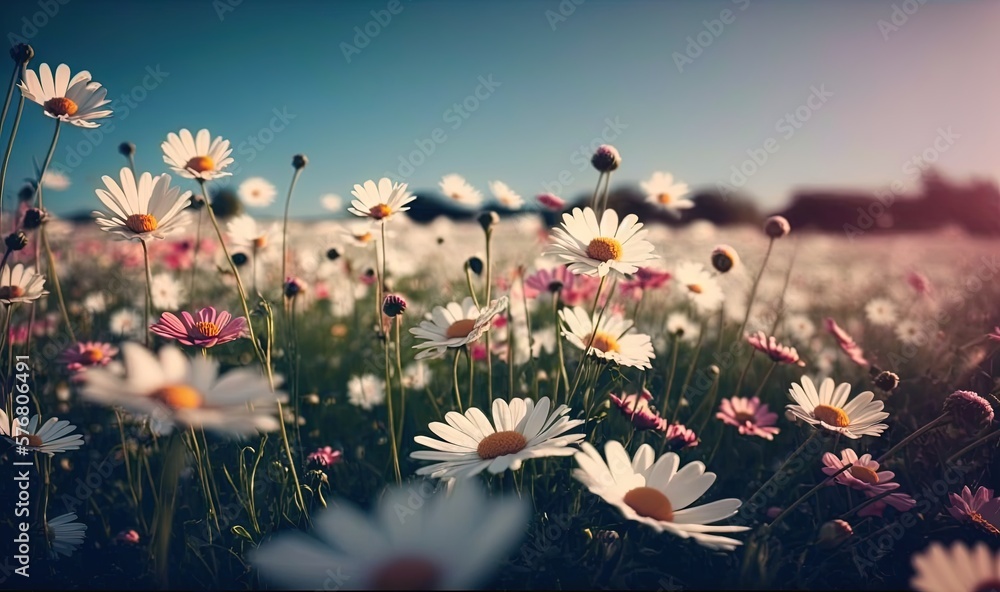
(833, 94)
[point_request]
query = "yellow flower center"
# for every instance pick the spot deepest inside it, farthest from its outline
(178, 396)
(206, 328)
(603, 341)
(650, 503)
(500, 444)
(141, 223)
(363, 238)
(380, 211)
(92, 355)
(864, 474)
(604, 248)
(260, 242)
(406, 573)
(59, 106)
(8, 292)
(664, 198)
(696, 288)
(985, 524)
(200, 164)
(460, 328)
(834, 416)
(743, 417)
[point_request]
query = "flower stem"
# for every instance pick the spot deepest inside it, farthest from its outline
(197, 248)
(930, 425)
(149, 291)
(392, 420)
(13, 134)
(995, 435)
(785, 464)
(454, 382)
(284, 228)
(807, 495)
(670, 373)
(561, 371)
(753, 290)
(510, 329)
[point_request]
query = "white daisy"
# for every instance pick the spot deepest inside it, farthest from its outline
(506, 196)
(520, 430)
(178, 390)
(417, 539)
(454, 325)
(50, 438)
(667, 193)
(198, 157)
(126, 323)
(360, 233)
(911, 332)
(612, 339)
(381, 201)
(257, 192)
(681, 325)
(417, 376)
(167, 291)
(800, 327)
(95, 302)
(596, 249)
(700, 286)
(74, 100)
(956, 569)
(20, 284)
(542, 340)
(64, 535)
(331, 202)
(141, 211)
(366, 391)
(245, 233)
(881, 312)
(456, 188)
(657, 494)
(829, 408)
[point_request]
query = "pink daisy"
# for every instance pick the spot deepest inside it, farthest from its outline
(846, 343)
(646, 278)
(918, 282)
(978, 507)
(636, 407)
(210, 328)
(774, 350)
(750, 416)
(86, 354)
(324, 457)
(551, 202)
(679, 437)
(573, 289)
(864, 476)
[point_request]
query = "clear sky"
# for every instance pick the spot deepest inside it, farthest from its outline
(552, 77)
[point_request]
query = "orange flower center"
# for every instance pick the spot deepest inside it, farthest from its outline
(650, 503)
(664, 198)
(338, 330)
(260, 242)
(460, 328)
(8, 292)
(406, 573)
(696, 288)
(834, 416)
(602, 341)
(743, 417)
(864, 474)
(456, 196)
(380, 211)
(200, 164)
(178, 396)
(141, 223)
(500, 444)
(206, 328)
(604, 248)
(363, 238)
(92, 355)
(60, 106)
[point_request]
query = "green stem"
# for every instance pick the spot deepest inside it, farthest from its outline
(392, 420)
(510, 329)
(753, 290)
(995, 435)
(284, 228)
(454, 382)
(670, 373)
(930, 425)
(807, 495)
(13, 134)
(149, 291)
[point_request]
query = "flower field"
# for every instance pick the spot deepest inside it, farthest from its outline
(210, 399)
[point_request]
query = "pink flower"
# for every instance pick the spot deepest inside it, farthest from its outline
(636, 407)
(846, 343)
(864, 476)
(324, 457)
(918, 282)
(975, 508)
(750, 416)
(679, 437)
(209, 330)
(87, 354)
(774, 350)
(573, 289)
(127, 537)
(646, 278)
(552, 202)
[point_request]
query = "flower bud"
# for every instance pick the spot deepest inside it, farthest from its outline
(777, 227)
(299, 161)
(16, 241)
(393, 305)
(606, 158)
